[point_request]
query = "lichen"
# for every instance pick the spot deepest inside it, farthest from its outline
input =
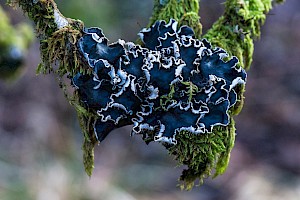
(176, 90)
(130, 83)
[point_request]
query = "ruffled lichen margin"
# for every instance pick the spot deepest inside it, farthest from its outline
(234, 31)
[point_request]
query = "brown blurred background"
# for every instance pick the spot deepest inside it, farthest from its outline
(40, 140)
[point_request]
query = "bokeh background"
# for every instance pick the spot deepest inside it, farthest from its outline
(40, 140)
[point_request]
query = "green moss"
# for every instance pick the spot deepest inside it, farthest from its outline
(89, 142)
(61, 46)
(55, 44)
(183, 11)
(237, 108)
(86, 120)
(203, 153)
(42, 14)
(190, 89)
(238, 27)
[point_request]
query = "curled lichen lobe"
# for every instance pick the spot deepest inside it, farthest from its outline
(172, 83)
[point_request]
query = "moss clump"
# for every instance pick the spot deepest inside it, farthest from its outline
(62, 47)
(86, 120)
(202, 153)
(237, 108)
(42, 14)
(238, 27)
(56, 44)
(183, 11)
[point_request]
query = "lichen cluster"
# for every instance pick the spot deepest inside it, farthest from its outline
(173, 83)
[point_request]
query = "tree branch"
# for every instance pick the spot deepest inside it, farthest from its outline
(234, 32)
(239, 26)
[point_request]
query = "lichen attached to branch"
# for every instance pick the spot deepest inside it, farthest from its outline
(175, 88)
(174, 83)
(234, 31)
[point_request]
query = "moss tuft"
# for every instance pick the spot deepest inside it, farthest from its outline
(238, 27)
(62, 47)
(86, 120)
(183, 11)
(203, 154)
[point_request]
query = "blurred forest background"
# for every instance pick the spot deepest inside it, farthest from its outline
(40, 140)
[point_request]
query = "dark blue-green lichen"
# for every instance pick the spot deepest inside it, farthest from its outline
(172, 83)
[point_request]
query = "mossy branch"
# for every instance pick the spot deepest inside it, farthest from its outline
(183, 11)
(234, 31)
(239, 26)
(58, 37)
